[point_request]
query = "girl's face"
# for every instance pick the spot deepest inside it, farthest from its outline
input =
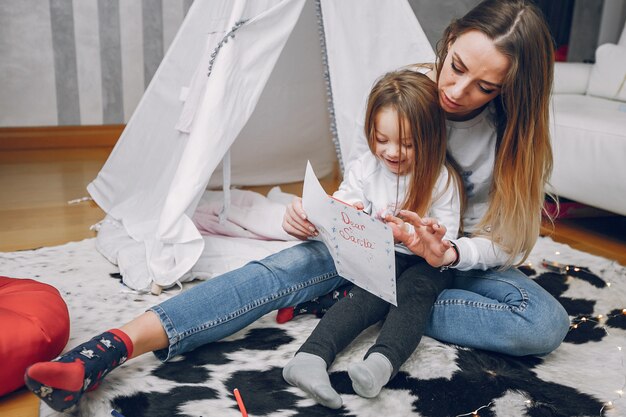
(395, 152)
(471, 76)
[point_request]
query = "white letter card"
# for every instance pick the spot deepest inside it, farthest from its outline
(362, 247)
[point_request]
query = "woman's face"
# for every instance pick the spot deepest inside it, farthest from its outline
(471, 76)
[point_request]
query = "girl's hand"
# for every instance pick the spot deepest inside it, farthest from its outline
(426, 240)
(358, 205)
(295, 221)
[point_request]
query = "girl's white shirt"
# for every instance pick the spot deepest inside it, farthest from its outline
(382, 192)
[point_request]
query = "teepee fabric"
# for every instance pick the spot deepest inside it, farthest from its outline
(263, 85)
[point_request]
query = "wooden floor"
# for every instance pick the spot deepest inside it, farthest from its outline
(36, 185)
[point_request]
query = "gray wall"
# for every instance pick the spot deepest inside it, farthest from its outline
(595, 22)
(583, 39)
(87, 62)
(434, 16)
(80, 62)
(612, 21)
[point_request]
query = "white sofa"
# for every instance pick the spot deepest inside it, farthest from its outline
(588, 129)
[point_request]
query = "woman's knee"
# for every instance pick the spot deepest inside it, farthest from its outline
(554, 329)
(540, 336)
(550, 326)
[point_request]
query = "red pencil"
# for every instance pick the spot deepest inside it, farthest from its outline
(242, 407)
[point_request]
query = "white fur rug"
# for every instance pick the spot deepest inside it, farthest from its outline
(578, 379)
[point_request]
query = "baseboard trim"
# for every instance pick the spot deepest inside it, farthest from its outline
(51, 137)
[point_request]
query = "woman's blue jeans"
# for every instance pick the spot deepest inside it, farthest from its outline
(501, 311)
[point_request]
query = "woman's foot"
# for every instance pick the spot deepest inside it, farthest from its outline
(62, 382)
(371, 375)
(308, 372)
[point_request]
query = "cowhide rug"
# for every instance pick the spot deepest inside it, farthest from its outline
(583, 377)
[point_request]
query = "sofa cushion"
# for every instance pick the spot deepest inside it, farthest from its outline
(589, 145)
(571, 77)
(608, 76)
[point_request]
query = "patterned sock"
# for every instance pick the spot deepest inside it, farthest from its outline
(62, 382)
(371, 375)
(308, 372)
(317, 306)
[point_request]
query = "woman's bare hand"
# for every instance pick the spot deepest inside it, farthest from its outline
(426, 240)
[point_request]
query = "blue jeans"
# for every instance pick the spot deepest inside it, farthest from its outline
(502, 311)
(499, 311)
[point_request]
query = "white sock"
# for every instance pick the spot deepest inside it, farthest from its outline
(308, 372)
(371, 375)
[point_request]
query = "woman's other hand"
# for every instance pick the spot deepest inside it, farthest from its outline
(295, 221)
(426, 238)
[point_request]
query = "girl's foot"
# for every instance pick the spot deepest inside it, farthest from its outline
(308, 372)
(62, 382)
(371, 375)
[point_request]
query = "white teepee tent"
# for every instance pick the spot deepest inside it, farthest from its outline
(267, 84)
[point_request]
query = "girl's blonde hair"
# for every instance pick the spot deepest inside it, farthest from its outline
(523, 161)
(414, 98)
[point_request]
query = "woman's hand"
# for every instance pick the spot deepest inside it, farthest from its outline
(426, 240)
(295, 221)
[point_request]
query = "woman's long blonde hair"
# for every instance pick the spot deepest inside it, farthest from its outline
(523, 161)
(414, 98)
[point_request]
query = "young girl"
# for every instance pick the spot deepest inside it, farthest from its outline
(404, 167)
(494, 74)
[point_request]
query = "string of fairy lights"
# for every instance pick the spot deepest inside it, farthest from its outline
(475, 412)
(599, 319)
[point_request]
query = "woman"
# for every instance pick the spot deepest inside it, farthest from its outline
(494, 74)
